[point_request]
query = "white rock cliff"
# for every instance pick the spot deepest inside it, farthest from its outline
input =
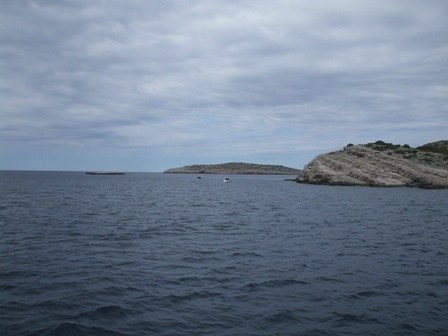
(379, 164)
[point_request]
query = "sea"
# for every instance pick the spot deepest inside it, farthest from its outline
(172, 254)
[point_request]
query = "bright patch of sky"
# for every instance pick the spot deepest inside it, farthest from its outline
(149, 85)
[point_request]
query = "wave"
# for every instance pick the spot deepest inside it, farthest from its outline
(283, 316)
(443, 282)
(192, 296)
(274, 283)
(246, 254)
(345, 319)
(364, 294)
(76, 329)
(106, 312)
(328, 279)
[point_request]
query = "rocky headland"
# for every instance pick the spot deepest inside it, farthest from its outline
(235, 168)
(381, 164)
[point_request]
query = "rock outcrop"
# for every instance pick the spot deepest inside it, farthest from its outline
(381, 164)
(104, 173)
(235, 168)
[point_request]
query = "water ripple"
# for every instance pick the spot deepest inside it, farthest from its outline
(154, 254)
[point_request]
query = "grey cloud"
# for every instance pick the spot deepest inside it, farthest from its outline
(252, 75)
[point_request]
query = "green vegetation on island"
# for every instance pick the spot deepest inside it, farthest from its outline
(235, 168)
(435, 153)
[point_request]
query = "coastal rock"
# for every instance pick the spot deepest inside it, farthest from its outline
(235, 168)
(104, 173)
(381, 164)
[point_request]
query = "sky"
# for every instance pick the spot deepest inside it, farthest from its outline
(137, 85)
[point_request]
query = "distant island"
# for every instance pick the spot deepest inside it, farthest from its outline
(235, 168)
(381, 164)
(104, 173)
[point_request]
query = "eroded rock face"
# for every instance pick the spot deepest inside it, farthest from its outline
(365, 165)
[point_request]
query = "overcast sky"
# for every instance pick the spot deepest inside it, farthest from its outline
(138, 85)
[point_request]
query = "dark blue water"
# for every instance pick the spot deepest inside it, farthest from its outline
(155, 254)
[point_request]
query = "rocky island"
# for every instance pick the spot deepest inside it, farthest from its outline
(381, 164)
(104, 173)
(235, 168)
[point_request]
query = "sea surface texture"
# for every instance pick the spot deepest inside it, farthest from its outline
(163, 254)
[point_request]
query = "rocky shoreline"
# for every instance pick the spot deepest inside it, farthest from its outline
(235, 168)
(381, 164)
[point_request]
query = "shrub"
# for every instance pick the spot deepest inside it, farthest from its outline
(440, 147)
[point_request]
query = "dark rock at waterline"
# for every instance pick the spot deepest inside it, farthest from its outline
(105, 173)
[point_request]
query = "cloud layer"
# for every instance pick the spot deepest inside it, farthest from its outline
(138, 85)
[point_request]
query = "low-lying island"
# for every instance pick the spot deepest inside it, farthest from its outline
(105, 173)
